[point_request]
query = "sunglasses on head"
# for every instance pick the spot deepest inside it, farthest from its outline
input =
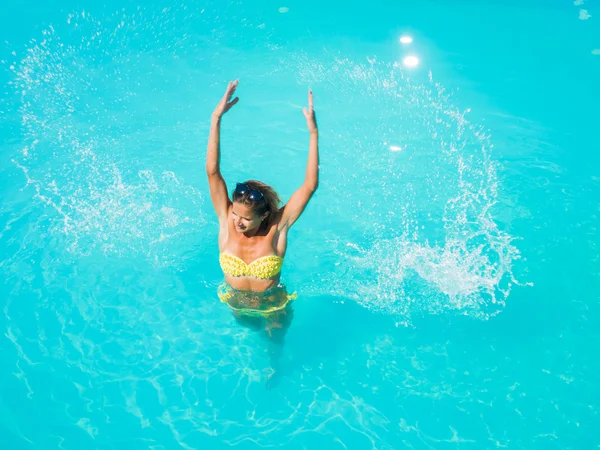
(254, 195)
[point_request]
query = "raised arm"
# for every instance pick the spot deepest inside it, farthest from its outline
(218, 188)
(298, 201)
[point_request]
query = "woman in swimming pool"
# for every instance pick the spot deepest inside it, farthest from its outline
(253, 233)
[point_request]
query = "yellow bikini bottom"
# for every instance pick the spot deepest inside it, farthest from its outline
(252, 303)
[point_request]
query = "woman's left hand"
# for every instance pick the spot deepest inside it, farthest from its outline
(226, 103)
(311, 120)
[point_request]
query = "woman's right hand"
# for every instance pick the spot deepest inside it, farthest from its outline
(309, 114)
(226, 103)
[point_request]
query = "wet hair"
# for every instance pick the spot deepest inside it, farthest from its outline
(269, 203)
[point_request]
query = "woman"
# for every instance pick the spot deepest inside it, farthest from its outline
(253, 233)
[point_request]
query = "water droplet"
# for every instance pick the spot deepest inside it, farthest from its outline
(411, 61)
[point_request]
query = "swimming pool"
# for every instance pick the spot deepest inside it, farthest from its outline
(447, 269)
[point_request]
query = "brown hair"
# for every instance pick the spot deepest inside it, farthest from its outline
(269, 203)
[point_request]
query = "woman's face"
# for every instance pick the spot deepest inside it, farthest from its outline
(244, 218)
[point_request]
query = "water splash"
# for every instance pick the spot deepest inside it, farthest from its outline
(81, 106)
(420, 235)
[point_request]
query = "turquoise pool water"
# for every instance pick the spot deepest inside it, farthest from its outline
(447, 270)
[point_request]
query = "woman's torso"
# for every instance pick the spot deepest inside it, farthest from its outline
(269, 240)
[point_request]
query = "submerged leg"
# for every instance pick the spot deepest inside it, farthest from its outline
(252, 322)
(276, 326)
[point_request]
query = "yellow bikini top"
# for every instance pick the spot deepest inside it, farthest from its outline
(263, 268)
